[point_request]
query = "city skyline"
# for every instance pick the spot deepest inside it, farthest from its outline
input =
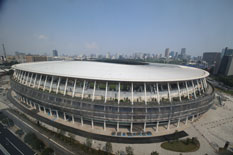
(99, 27)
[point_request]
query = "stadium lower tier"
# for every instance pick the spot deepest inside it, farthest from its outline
(113, 115)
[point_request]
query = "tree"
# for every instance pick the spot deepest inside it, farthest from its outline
(108, 147)
(89, 142)
(129, 150)
(154, 153)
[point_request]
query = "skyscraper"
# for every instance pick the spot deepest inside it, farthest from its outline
(226, 65)
(55, 53)
(183, 53)
(166, 53)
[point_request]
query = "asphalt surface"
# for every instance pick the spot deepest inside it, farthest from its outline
(12, 144)
(125, 140)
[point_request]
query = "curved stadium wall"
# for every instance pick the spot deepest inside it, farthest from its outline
(108, 103)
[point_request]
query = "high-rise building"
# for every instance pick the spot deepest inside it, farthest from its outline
(172, 54)
(213, 60)
(226, 65)
(166, 53)
(183, 53)
(55, 53)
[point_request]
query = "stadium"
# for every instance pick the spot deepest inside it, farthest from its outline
(119, 96)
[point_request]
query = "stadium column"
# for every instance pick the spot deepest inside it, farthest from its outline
(73, 118)
(186, 121)
(198, 85)
(51, 84)
(93, 95)
(58, 84)
(39, 81)
(203, 90)
(20, 74)
(64, 116)
(74, 88)
(117, 125)
(65, 86)
(131, 127)
(194, 91)
(144, 129)
(27, 78)
(192, 118)
(92, 124)
(169, 92)
(187, 89)
(178, 87)
(119, 92)
(178, 123)
(104, 125)
(24, 78)
(16, 74)
(168, 124)
(106, 92)
(30, 80)
(205, 83)
(57, 114)
(132, 93)
(158, 98)
(45, 82)
(157, 126)
(35, 81)
(145, 93)
(21, 79)
(84, 85)
(44, 110)
(81, 121)
(104, 119)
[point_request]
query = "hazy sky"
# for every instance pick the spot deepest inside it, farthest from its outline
(123, 26)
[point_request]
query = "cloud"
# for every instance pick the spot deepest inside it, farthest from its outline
(42, 37)
(91, 45)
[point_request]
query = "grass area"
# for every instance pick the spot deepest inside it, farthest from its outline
(187, 145)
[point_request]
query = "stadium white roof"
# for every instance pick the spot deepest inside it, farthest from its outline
(153, 72)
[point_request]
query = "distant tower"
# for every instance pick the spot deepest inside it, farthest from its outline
(55, 53)
(4, 51)
(166, 52)
(183, 51)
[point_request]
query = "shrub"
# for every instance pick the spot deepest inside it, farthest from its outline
(34, 142)
(129, 150)
(108, 147)
(47, 151)
(154, 153)
(19, 132)
(88, 142)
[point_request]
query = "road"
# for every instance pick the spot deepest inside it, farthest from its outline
(10, 144)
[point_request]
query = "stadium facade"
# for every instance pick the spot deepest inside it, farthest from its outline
(132, 96)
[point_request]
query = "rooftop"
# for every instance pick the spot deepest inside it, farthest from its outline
(153, 72)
